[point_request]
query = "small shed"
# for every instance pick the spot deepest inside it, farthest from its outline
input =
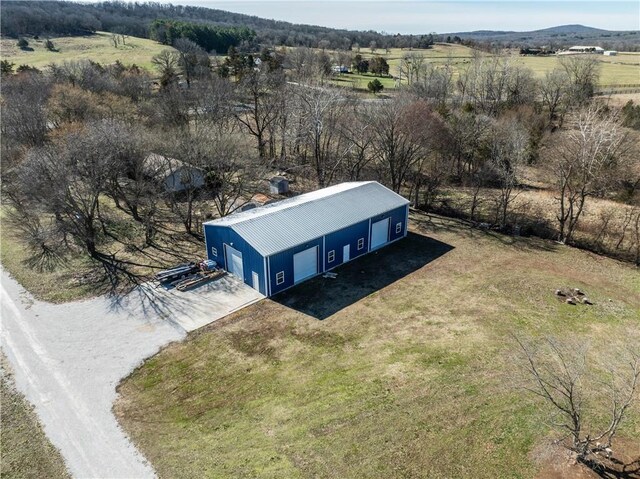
(276, 246)
(278, 185)
(175, 174)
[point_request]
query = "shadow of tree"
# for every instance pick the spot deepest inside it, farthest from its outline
(436, 223)
(322, 297)
(614, 468)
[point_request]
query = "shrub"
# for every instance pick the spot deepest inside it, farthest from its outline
(375, 86)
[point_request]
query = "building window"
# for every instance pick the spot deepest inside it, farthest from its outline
(332, 256)
(280, 277)
(214, 251)
(361, 243)
(398, 228)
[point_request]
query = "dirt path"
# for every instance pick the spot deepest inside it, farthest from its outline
(68, 360)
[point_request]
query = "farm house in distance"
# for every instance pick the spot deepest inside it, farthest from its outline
(276, 246)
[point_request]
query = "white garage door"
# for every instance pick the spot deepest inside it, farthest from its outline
(379, 233)
(234, 262)
(305, 264)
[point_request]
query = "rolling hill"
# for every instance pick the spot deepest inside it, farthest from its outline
(558, 36)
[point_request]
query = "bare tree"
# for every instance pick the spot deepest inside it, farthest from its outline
(263, 106)
(554, 90)
(584, 160)
(429, 132)
(299, 62)
(434, 83)
(317, 114)
(192, 60)
(65, 182)
(395, 149)
(583, 72)
(212, 103)
(357, 130)
(508, 152)
(232, 177)
(24, 119)
(578, 393)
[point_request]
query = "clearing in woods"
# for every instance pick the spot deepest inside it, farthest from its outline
(385, 371)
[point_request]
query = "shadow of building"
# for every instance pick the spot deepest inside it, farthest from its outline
(322, 297)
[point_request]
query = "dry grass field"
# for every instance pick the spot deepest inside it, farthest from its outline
(623, 69)
(402, 366)
(617, 70)
(98, 47)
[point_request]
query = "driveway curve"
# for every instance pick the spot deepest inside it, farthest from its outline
(68, 360)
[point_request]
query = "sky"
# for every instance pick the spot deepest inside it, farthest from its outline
(418, 16)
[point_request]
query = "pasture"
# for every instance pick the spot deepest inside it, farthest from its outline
(623, 69)
(98, 47)
(402, 366)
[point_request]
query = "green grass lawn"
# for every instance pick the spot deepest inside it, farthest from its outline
(360, 81)
(402, 366)
(98, 48)
(26, 453)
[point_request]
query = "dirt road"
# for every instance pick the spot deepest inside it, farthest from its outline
(68, 360)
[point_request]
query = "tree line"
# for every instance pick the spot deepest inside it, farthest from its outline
(77, 138)
(210, 38)
(22, 18)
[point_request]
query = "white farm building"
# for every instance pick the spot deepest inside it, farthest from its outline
(582, 49)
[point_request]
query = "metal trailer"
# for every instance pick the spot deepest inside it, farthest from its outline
(178, 272)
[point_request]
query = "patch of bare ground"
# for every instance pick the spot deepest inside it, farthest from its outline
(557, 462)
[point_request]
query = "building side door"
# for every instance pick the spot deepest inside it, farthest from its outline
(346, 251)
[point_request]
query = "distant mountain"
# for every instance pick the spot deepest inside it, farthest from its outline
(560, 36)
(575, 29)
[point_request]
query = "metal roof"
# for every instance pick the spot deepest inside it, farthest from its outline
(279, 226)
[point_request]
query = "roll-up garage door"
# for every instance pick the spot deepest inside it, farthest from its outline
(379, 233)
(305, 264)
(234, 262)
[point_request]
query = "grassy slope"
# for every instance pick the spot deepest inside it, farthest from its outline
(98, 47)
(407, 376)
(26, 453)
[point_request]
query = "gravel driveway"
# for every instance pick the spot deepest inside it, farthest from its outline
(68, 360)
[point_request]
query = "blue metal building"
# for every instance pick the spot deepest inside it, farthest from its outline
(276, 246)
